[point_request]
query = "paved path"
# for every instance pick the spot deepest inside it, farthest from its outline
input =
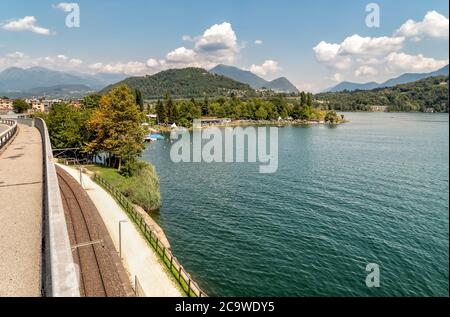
(139, 258)
(21, 215)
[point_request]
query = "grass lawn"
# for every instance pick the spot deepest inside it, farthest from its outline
(111, 175)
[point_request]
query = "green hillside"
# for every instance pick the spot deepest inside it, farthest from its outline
(423, 95)
(185, 83)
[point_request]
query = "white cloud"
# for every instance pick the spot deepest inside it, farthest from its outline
(65, 6)
(413, 63)
(16, 55)
(379, 58)
(187, 38)
(218, 44)
(56, 62)
(267, 68)
(75, 62)
(337, 77)
(217, 38)
(358, 45)
(328, 54)
(27, 23)
(433, 25)
(130, 68)
(152, 63)
(258, 42)
(181, 55)
(364, 71)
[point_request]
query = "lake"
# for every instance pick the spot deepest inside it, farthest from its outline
(374, 190)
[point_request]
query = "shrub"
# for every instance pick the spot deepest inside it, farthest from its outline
(143, 187)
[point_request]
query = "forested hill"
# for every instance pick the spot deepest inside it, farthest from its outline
(423, 95)
(185, 83)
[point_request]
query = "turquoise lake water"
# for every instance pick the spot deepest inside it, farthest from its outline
(374, 190)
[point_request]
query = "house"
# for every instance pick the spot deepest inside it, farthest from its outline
(6, 104)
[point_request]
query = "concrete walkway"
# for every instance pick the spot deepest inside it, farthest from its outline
(139, 259)
(21, 215)
(3, 128)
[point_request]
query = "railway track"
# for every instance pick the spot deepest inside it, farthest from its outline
(101, 271)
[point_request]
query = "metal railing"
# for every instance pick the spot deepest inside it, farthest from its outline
(189, 286)
(9, 133)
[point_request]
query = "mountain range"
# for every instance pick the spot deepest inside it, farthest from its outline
(403, 79)
(281, 84)
(15, 80)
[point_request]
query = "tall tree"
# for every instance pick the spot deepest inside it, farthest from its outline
(309, 102)
(171, 109)
(116, 127)
(161, 112)
(139, 99)
(302, 99)
(205, 106)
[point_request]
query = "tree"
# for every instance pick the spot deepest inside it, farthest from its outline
(332, 117)
(116, 128)
(139, 99)
(302, 99)
(91, 101)
(261, 113)
(20, 106)
(171, 109)
(67, 126)
(205, 106)
(309, 102)
(161, 112)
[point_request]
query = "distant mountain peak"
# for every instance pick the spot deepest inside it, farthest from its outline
(402, 79)
(281, 84)
(16, 79)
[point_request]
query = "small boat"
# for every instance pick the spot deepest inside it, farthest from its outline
(153, 137)
(157, 136)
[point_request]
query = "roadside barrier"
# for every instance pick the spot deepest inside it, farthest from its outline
(7, 135)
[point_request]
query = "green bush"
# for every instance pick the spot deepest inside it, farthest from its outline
(143, 187)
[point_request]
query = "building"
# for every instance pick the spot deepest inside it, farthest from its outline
(6, 104)
(379, 108)
(36, 105)
(215, 121)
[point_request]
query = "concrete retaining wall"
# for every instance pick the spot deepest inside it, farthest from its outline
(60, 274)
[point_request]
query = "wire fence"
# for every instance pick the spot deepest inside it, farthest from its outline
(183, 278)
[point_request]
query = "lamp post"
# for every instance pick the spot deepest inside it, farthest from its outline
(120, 237)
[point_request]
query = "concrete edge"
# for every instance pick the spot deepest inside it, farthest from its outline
(59, 272)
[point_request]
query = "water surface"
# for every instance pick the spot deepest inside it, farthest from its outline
(374, 190)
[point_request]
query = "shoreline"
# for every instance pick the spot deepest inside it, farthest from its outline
(237, 123)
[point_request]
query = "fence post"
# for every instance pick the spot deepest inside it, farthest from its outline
(189, 288)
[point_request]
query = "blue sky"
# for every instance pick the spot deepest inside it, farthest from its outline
(314, 43)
